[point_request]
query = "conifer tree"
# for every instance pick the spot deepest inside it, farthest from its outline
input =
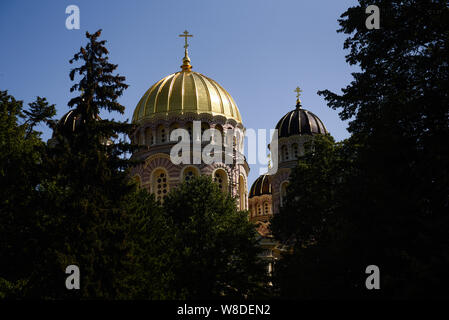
(92, 187)
(71, 202)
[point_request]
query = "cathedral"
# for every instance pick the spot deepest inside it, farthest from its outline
(178, 101)
(185, 97)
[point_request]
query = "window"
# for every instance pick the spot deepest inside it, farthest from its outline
(161, 134)
(190, 130)
(242, 193)
(221, 178)
(148, 137)
(259, 210)
(266, 208)
(172, 128)
(284, 151)
(190, 173)
(204, 126)
(239, 141)
(295, 151)
(141, 138)
(283, 192)
(218, 134)
(160, 184)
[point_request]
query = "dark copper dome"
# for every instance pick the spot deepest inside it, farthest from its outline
(260, 187)
(69, 122)
(300, 121)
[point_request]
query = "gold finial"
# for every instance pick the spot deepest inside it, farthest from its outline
(298, 93)
(186, 60)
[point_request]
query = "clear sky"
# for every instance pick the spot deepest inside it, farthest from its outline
(258, 50)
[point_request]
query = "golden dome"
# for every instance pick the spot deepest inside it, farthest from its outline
(186, 92)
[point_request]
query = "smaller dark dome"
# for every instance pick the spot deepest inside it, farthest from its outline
(69, 122)
(260, 186)
(300, 121)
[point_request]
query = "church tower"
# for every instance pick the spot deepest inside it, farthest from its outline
(294, 129)
(268, 192)
(183, 100)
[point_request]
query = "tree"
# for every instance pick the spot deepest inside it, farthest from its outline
(390, 207)
(311, 202)
(21, 171)
(216, 251)
(89, 192)
(152, 250)
(40, 111)
(314, 225)
(39, 225)
(72, 202)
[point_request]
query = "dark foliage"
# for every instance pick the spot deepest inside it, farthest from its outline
(215, 245)
(383, 196)
(71, 201)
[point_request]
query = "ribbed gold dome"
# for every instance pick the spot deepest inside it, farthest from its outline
(186, 92)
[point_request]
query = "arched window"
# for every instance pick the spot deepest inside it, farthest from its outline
(141, 140)
(148, 137)
(295, 150)
(173, 127)
(239, 140)
(221, 178)
(218, 134)
(133, 138)
(266, 208)
(204, 127)
(242, 193)
(259, 209)
(161, 134)
(283, 192)
(189, 128)
(284, 152)
(189, 173)
(160, 184)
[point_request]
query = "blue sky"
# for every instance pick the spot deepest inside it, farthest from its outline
(258, 50)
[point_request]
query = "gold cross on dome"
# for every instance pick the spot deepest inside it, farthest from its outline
(186, 35)
(298, 92)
